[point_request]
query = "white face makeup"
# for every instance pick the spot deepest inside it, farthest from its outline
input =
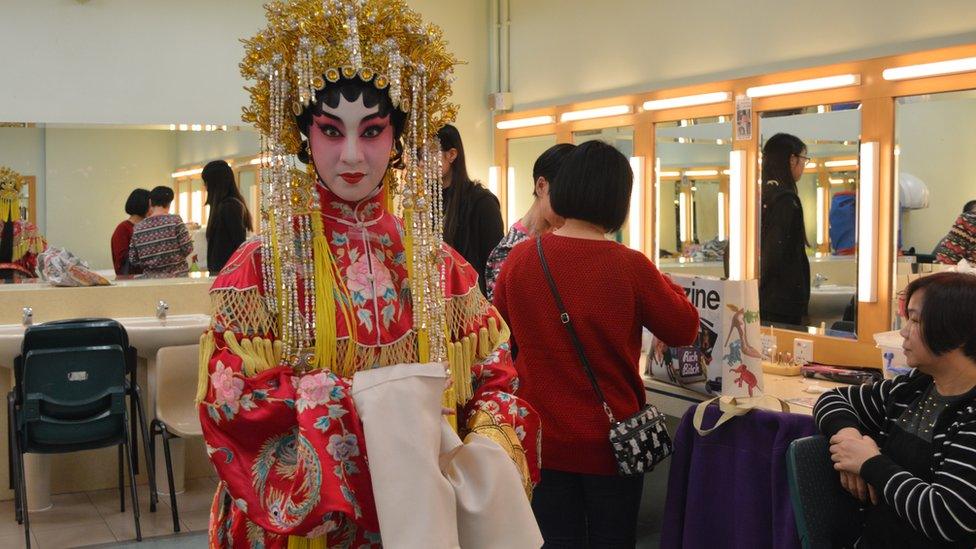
(350, 145)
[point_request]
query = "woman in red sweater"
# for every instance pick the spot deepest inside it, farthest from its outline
(611, 292)
(137, 206)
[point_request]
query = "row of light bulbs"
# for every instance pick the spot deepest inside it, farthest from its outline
(923, 70)
(198, 127)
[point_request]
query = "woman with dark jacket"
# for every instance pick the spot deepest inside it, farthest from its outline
(229, 219)
(906, 447)
(784, 270)
(472, 214)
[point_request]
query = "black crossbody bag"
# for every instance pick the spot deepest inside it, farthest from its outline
(639, 442)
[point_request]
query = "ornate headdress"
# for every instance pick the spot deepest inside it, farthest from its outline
(307, 44)
(10, 185)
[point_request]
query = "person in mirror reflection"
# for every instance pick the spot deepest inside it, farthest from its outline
(137, 206)
(906, 447)
(784, 273)
(540, 218)
(230, 220)
(20, 240)
(472, 214)
(611, 292)
(160, 242)
(960, 243)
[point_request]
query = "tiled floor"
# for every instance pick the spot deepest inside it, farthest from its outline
(93, 518)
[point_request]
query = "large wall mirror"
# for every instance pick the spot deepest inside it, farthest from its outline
(81, 176)
(692, 194)
(808, 218)
(934, 213)
(522, 154)
(622, 139)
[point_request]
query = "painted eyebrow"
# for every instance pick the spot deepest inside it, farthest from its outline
(365, 119)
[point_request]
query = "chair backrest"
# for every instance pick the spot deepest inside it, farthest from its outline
(72, 398)
(78, 332)
(826, 515)
(176, 379)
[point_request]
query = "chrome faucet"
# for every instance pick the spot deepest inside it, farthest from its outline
(161, 309)
(27, 318)
(819, 280)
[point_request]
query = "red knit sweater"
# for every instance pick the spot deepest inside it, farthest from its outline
(610, 292)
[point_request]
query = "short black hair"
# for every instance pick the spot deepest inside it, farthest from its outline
(948, 315)
(137, 203)
(161, 196)
(549, 162)
(970, 207)
(594, 185)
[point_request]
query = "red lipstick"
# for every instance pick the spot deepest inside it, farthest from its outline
(352, 177)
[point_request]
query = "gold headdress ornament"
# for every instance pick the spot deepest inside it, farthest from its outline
(307, 44)
(10, 185)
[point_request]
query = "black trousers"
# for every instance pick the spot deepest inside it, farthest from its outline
(577, 511)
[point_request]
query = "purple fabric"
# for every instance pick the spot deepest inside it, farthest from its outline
(729, 489)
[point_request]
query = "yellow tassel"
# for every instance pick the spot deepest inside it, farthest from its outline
(247, 361)
(484, 345)
(329, 288)
(207, 346)
(298, 542)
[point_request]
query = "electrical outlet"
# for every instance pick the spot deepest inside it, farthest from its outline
(802, 351)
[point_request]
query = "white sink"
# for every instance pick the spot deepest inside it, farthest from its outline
(11, 337)
(828, 301)
(149, 334)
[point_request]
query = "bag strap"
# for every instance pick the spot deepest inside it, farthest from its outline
(730, 407)
(565, 320)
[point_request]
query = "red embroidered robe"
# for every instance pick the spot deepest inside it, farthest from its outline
(289, 447)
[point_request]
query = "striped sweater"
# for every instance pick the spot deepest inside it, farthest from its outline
(944, 510)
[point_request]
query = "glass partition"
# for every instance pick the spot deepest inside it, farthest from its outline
(522, 154)
(79, 176)
(622, 139)
(808, 224)
(934, 213)
(692, 186)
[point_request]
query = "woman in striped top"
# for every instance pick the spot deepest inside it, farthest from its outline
(907, 447)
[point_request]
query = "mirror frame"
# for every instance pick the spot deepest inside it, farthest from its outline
(877, 98)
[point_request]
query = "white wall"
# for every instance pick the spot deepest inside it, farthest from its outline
(937, 143)
(465, 26)
(565, 50)
(202, 147)
(142, 62)
(90, 174)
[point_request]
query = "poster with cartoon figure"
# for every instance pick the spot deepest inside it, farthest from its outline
(725, 358)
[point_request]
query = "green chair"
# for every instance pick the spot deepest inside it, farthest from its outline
(98, 331)
(826, 515)
(70, 397)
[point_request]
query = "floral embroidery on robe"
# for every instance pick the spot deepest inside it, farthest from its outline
(289, 447)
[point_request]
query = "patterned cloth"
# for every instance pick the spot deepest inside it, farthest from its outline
(160, 245)
(289, 447)
(960, 243)
(28, 243)
(516, 234)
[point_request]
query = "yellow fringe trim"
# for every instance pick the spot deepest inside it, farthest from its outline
(330, 287)
(28, 241)
(207, 346)
(297, 542)
(10, 209)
